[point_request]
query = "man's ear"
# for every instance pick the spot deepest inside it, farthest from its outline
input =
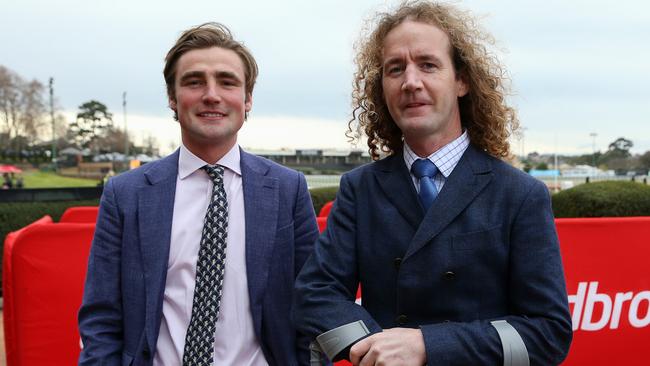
(462, 86)
(172, 103)
(248, 104)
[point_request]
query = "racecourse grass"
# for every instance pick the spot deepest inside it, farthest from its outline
(39, 179)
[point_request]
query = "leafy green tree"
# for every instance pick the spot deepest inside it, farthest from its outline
(618, 156)
(93, 122)
(620, 148)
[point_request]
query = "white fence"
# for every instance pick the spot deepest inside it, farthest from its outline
(560, 183)
(555, 184)
(317, 181)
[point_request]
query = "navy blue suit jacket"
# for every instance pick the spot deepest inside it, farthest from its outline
(487, 249)
(121, 311)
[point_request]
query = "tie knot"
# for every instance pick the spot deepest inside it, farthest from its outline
(424, 168)
(215, 172)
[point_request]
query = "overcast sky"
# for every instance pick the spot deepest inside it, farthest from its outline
(577, 67)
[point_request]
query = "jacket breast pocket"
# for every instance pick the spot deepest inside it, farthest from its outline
(480, 258)
(478, 240)
(283, 245)
(284, 234)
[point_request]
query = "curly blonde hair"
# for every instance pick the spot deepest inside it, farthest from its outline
(484, 113)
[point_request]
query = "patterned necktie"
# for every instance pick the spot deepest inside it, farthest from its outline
(210, 266)
(425, 170)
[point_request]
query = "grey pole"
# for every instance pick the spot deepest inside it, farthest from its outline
(53, 122)
(593, 150)
(126, 133)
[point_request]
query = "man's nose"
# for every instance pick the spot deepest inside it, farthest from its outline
(212, 94)
(412, 79)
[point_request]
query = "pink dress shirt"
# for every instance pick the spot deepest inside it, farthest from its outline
(235, 342)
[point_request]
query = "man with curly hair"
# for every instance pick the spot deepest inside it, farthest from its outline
(455, 251)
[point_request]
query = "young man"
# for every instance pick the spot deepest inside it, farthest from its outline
(195, 255)
(455, 251)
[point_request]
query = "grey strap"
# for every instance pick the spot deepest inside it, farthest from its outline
(336, 340)
(514, 349)
(315, 355)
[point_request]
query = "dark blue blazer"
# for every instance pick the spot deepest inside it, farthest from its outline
(121, 311)
(487, 249)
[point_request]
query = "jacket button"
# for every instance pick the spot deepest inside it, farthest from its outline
(449, 275)
(402, 319)
(397, 262)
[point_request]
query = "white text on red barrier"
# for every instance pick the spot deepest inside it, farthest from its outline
(587, 297)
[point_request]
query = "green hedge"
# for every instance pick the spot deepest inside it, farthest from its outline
(599, 199)
(586, 200)
(320, 196)
(15, 215)
(603, 199)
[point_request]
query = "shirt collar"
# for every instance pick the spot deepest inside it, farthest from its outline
(188, 163)
(446, 158)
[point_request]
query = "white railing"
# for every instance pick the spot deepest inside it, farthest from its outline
(318, 181)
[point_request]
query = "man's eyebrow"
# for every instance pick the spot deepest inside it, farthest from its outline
(392, 60)
(192, 74)
(227, 75)
(422, 57)
(428, 57)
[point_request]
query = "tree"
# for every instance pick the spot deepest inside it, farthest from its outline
(112, 140)
(150, 145)
(585, 159)
(644, 160)
(93, 121)
(31, 117)
(9, 100)
(618, 155)
(21, 109)
(620, 147)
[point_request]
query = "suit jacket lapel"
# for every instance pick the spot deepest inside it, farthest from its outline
(261, 201)
(393, 176)
(155, 212)
(467, 180)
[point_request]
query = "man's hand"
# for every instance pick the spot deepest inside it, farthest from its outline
(392, 347)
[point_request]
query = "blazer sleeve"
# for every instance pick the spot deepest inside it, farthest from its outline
(537, 303)
(326, 287)
(305, 234)
(100, 315)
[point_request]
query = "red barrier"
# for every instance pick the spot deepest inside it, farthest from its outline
(47, 268)
(604, 261)
(605, 264)
(86, 214)
(325, 210)
(322, 223)
(9, 324)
